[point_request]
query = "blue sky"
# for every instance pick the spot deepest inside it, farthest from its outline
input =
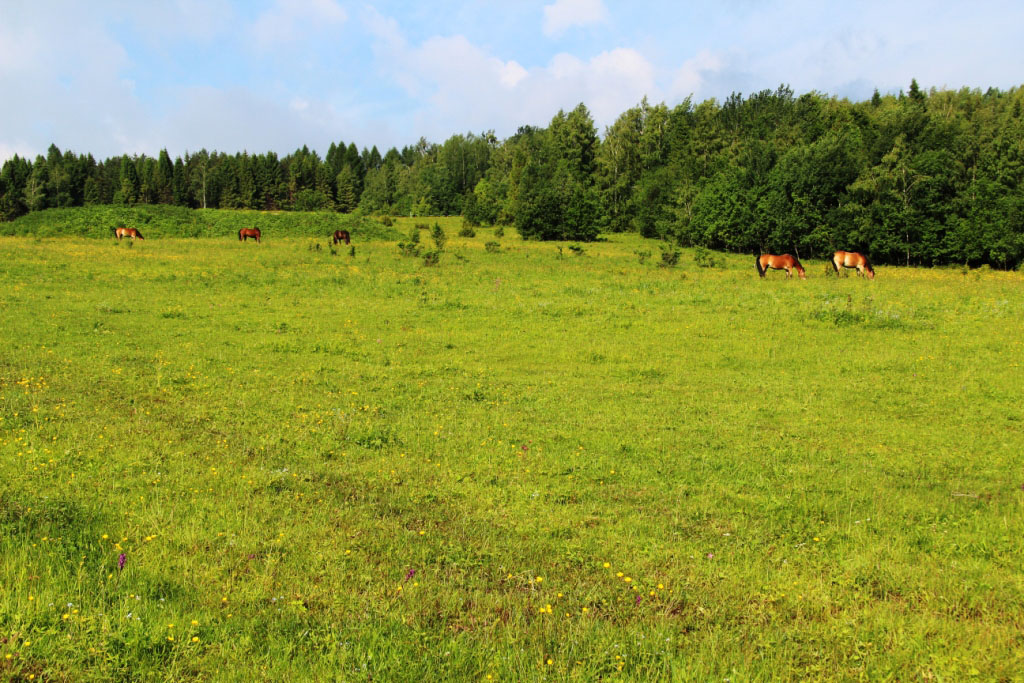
(123, 76)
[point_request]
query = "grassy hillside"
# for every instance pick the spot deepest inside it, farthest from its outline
(159, 221)
(525, 463)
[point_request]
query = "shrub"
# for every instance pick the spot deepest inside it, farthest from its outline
(492, 247)
(703, 257)
(467, 231)
(499, 232)
(439, 237)
(669, 257)
(431, 258)
(412, 247)
(643, 256)
(386, 221)
(312, 200)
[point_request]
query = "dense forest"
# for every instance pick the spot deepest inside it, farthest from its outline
(920, 177)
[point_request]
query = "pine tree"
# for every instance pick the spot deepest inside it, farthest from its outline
(129, 188)
(346, 193)
(163, 179)
(35, 187)
(91, 193)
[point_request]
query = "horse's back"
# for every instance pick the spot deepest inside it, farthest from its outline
(778, 261)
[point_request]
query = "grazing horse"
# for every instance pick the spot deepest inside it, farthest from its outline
(246, 233)
(342, 236)
(853, 259)
(786, 262)
(128, 232)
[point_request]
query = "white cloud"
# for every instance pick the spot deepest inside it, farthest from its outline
(511, 74)
(462, 86)
(161, 22)
(61, 73)
(692, 75)
(565, 14)
(290, 20)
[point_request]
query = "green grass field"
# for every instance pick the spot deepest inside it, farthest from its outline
(516, 465)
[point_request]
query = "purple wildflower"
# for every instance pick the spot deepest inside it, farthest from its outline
(121, 559)
(409, 574)
(639, 599)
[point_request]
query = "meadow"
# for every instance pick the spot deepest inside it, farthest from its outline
(235, 462)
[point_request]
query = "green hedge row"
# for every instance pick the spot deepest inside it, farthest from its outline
(159, 220)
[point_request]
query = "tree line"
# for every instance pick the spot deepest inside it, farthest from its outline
(919, 177)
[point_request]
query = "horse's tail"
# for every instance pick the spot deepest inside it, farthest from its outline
(757, 262)
(239, 234)
(139, 235)
(835, 266)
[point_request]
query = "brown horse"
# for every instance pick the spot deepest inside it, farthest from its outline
(246, 233)
(133, 233)
(342, 236)
(786, 262)
(853, 259)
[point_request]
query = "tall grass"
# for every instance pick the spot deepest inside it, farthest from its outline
(323, 466)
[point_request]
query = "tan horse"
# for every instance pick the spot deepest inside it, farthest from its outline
(853, 259)
(786, 262)
(246, 233)
(132, 233)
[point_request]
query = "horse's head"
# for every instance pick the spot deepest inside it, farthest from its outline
(868, 270)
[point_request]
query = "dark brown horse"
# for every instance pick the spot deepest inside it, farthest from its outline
(786, 262)
(133, 233)
(342, 236)
(853, 259)
(246, 233)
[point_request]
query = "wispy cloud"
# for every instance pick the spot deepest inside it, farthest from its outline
(289, 20)
(565, 14)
